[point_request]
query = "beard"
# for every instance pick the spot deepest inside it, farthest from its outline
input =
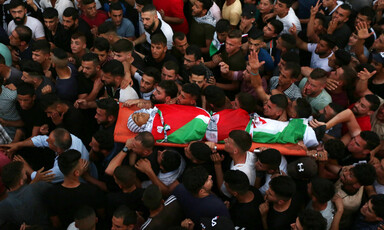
(19, 21)
(155, 101)
(150, 28)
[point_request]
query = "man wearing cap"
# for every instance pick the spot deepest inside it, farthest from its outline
(247, 19)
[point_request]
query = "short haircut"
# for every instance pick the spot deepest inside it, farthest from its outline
(319, 74)
(152, 197)
(107, 27)
(24, 32)
(321, 18)
(170, 88)
(329, 39)
(365, 174)
(237, 181)
(280, 100)
(335, 149)
(68, 161)
(256, 34)
(115, 6)
(159, 39)
(278, 25)
(153, 73)
(192, 89)
(71, 12)
(101, 44)
(342, 57)
(312, 220)
(114, 67)
(104, 139)
(63, 139)
(294, 68)
(214, 95)
(109, 105)
(193, 50)
(179, 36)
(303, 108)
(171, 160)
(378, 205)
(207, 4)
(80, 36)
(126, 175)
(287, 2)
(31, 67)
(91, 57)
(368, 12)
(200, 151)
(26, 89)
(59, 57)
(373, 100)
(283, 186)
(322, 189)
(271, 158)
(49, 100)
(144, 2)
(50, 13)
(336, 107)
(84, 212)
(129, 216)
(122, 45)
(371, 138)
(242, 139)
(349, 75)
(347, 7)
(194, 179)
(16, 3)
(11, 174)
(146, 139)
(198, 70)
(288, 41)
(235, 34)
(291, 56)
(171, 65)
(41, 45)
(223, 25)
(246, 101)
(87, 2)
(149, 8)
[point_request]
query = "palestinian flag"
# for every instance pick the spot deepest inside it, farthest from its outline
(179, 123)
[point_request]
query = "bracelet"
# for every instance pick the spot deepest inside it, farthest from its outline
(254, 74)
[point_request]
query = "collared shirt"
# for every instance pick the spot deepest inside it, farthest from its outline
(293, 92)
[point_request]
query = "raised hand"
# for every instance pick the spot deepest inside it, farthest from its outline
(315, 9)
(253, 61)
(362, 30)
(365, 74)
(293, 30)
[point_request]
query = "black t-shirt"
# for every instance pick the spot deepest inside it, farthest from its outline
(64, 202)
(341, 36)
(283, 220)
(85, 85)
(376, 89)
(32, 117)
(132, 200)
(247, 215)
(149, 61)
(350, 160)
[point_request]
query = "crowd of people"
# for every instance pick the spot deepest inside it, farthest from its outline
(68, 66)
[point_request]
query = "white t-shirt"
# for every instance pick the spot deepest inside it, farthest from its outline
(34, 24)
(288, 20)
(60, 6)
(127, 94)
(316, 61)
(282, 167)
(378, 187)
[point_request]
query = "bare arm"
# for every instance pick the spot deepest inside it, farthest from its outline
(299, 43)
(311, 23)
(115, 162)
(362, 82)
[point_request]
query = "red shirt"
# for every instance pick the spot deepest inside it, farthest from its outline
(101, 16)
(173, 8)
(364, 122)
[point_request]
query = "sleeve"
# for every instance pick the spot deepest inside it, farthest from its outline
(311, 47)
(302, 83)
(210, 30)
(39, 32)
(40, 141)
(130, 32)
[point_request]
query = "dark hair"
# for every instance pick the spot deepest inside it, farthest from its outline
(159, 39)
(329, 39)
(169, 87)
(129, 216)
(287, 2)
(214, 95)
(31, 67)
(84, 212)
(24, 32)
(171, 65)
(115, 6)
(114, 67)
(48, 100)
(153, 73)
(87, 2)
(256, 34)
(368, 12)
(342, 57)
(270, 157)
(41, 45)
(371, 138)
(194, 179)
(318, 74)
(321, 18)
(312, 220)
(246, 101)
(106, 27)
(235, 34)
(178, 35)
(280, 100)
(68, 161)
(193, 50)
(336, 107)
(192, 89)
(144, 2)
(146, 139)
(373, 100)
(303, 108)
(200, 151)
(288, 41)
(101, 44)
(126, 175)
(322, 189)
(349, 76)
(59, 53)
(207, 4)
(71, 12)
(104, 139)
(91, 57)
(291, 56)
(16, 3)
(109, 105)
(283, 186)
(50, 13)
(223, 25)
(347, 7)
(11, 173)
(26, 89)
(378, 205)
(171, 160)
(148, 8)
(294, 68)
(242, 139)
(198, 70)
(278, 25)
(335, 149)
(152, 197)
(237, 181)
(365, 174)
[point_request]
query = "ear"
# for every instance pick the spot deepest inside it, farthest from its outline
(167, 99)
(98, 68)
(110, 118)
(370, 112)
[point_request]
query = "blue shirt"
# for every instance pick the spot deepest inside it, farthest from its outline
(126, 28)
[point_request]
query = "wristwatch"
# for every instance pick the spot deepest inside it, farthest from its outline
(125, 149)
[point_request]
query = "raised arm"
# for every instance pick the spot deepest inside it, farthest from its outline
(312, 36)
(299, 43)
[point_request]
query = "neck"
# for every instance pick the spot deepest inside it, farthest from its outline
(349, 189)
(153, 213)
(37, 83)
(330, 8)
(64, 72)
(130, 189)
(326, 54)
(318, 206)
(282, 15)
(71, 182)
(282, 207)
(81, 53)
(23, 48)
(157, 22)
(246, 198)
